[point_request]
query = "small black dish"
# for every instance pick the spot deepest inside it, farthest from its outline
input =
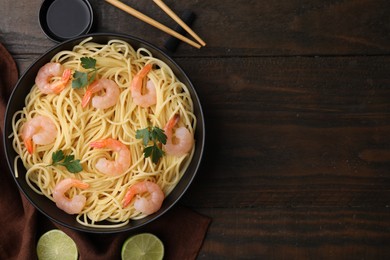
(61, 20)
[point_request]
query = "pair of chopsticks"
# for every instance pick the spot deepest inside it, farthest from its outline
(160, 26)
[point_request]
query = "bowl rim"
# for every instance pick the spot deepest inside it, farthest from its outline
(195, 164)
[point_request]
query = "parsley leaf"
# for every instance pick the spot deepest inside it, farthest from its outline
(157, 153)
(154, 135)
(143, 134)
(67, 161)
(148, 151)
(158, 134)
(73, 166)
(58, 156)
(80, 79)
(88, 62)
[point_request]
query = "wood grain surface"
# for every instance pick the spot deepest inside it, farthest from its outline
(296, 96)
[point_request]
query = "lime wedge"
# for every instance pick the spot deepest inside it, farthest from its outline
(55, 244)
(143, 246)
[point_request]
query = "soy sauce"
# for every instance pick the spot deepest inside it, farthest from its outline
(68, 18)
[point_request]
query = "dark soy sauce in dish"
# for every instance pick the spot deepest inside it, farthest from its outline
(68, 18)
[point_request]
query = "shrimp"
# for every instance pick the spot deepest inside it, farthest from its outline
(38, 130)
(108, 99)
(147, 99)
(69, 205)
(118, 166)
(183, 140)
(144, 205)
(47, 72)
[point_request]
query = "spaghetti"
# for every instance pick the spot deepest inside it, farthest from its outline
(78, 126)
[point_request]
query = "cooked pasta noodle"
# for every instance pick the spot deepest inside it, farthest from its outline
(78, 127)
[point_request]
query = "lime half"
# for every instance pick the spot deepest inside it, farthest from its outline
(55, 244)
(143, 246)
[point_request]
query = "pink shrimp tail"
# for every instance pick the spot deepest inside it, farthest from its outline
(145, 70)
(86, 98)
(60, 85)
(92, 88)
(128, 197)
(88, 94)
(132, 191)
(109, 142)
(172, 122)
(29, 145)
(75, 183)
(99, 144)
(136, 83)
(81, 185)
(66, 75)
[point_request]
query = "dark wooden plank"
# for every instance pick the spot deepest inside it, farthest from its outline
(231, 28)
(294, 132)
(297, 233)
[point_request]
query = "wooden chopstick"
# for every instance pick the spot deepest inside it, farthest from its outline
(151, 21)
(169, 12)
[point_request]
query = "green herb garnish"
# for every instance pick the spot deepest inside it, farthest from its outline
(80, 79)
(156, 136)
(72, 165)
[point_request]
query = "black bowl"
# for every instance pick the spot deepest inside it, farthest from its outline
(46, 206)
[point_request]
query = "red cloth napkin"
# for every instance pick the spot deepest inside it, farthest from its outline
(181, 230)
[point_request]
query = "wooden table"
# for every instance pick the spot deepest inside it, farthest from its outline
(296, 96)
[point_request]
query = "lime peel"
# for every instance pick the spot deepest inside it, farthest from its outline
(55, 244)
(143, 246)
